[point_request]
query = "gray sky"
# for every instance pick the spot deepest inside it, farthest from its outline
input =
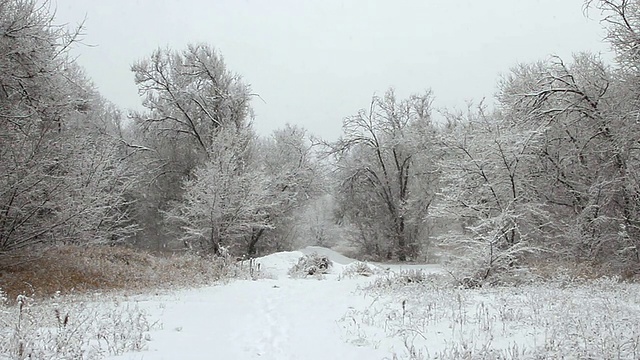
(316, 61)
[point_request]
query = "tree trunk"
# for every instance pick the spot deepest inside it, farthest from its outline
(215, 246)
(255, 236)
(402, 241)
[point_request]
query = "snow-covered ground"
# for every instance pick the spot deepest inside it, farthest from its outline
(396, 312)
(273, 317)
(401, 312)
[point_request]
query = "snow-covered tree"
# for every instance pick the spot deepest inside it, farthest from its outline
(190, 96)
(553, 169)
(296, 179)
(226, 199)
(587, 163)
(621, 19)
(488, 191)
(191, 93)
(247, 196)
(619, 113)
(385, 165)
(62, 177)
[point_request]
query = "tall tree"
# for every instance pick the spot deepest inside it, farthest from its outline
(554, 168)
(191, 93)
(488, 191)
(587, 163)
(245, 197)
(190, 96)
(622, 22)
(383, 156)
(62, 179)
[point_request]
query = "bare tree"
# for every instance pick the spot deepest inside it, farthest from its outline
(225, 200)
(379, 155)
(190, 97)
(487, 191)
(191, 93)
(62, 178)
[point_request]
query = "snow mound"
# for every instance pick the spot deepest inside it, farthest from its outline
(334, 256)
(278, 264)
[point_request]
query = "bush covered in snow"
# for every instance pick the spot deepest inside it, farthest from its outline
(359, 268)
(311, 265)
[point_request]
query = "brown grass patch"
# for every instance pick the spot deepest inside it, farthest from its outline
(551, 268)
(71, 269)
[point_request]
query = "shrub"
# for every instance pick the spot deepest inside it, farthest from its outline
(359, 268)
(313, 264)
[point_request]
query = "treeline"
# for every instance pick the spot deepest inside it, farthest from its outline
(188, 172)
(550, 171)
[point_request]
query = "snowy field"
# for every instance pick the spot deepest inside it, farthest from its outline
(394, 312)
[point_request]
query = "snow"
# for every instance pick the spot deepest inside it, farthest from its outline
(264, 319)
(332, 255)
(394, 312)
(277, 265)
(269, 318)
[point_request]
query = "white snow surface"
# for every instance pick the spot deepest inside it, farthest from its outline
(350, 313)
(269, 318)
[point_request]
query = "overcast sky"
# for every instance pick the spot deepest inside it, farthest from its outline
(316, 61)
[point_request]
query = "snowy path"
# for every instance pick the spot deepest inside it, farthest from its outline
(264, 319)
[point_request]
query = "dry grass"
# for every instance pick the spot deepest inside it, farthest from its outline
(75, 269)
(548, 269)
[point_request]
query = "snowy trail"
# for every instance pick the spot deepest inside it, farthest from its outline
(264, 319)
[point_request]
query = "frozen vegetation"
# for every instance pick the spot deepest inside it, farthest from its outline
(353, 310)
(420, 316)
(145, 235)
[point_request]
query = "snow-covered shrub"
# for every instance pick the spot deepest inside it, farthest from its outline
(472, 264)
(358, 268)
(314, 265)
(412, 276)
